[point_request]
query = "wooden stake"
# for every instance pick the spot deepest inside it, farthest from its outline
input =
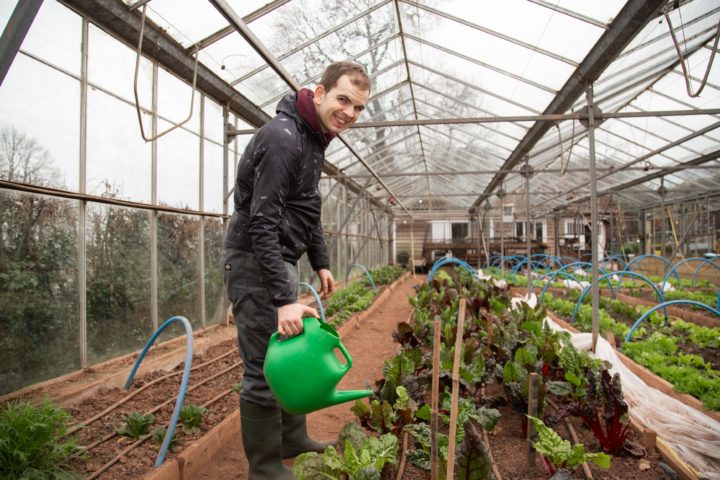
(403, 456)
(533, 411)
(434, 402)
(455, 390)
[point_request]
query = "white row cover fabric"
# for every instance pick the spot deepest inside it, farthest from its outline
(692, 434)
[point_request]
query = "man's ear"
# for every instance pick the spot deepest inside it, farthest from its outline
(319, 94)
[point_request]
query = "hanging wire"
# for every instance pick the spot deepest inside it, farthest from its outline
(137, 97)
(686, 73)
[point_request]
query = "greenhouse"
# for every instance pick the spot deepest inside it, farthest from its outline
(513, 240)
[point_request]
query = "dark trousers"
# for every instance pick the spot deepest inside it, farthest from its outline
(255, 319)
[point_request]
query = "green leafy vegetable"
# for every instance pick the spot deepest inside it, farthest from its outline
(31, 443)
(136, 425)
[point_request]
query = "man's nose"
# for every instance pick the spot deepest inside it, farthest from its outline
(349, 111)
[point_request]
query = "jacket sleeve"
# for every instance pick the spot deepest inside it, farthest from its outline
(275, 161)
(317, 251)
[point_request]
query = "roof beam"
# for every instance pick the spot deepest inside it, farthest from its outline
(114, 17)
(627, 24)
(709, 157)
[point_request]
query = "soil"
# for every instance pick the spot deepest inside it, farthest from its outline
(141, 459)
(370, 345)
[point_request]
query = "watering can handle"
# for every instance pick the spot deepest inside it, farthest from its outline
(346, 355)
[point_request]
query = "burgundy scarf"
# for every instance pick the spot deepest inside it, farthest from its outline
(307, 110)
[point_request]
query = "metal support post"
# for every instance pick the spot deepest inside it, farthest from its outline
(593, 214)
(527, 173)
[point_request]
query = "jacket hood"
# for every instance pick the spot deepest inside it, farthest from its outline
(300, 106)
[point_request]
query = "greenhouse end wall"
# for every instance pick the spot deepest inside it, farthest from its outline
(102, 236)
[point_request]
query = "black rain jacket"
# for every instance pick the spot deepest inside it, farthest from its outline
(277, 201)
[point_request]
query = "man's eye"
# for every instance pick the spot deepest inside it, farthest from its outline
(343, 100)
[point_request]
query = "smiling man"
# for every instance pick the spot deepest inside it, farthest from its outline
(276, 220)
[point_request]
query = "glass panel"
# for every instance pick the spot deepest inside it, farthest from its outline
(119, 161)
(187, 21)
(214, 289)
(111, 65)
(174, 98)
(178, 250)
(231, 57)
(178, 164)
(213, 127)
(39, 118)
(118, 281)
(55, 36)
(213, 178)
(38, 289)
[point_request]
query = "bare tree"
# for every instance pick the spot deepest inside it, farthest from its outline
(24, 160)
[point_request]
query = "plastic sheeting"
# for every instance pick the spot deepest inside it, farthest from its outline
(692, 434)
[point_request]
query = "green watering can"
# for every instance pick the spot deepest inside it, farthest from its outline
(303, 371)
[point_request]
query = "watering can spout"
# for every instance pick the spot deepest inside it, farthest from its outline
(349, 396)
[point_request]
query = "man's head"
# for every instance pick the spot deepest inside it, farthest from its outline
(343, 91)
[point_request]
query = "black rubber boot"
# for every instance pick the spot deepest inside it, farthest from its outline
(295, 439)
(262, 439)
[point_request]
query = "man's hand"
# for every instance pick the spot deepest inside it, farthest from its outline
(290, 318)
(327, 282)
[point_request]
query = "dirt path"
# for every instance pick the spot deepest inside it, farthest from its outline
(369, 347)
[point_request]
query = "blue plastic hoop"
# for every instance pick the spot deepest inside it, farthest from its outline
(183, 386)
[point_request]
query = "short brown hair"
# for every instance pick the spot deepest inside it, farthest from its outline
(356, 72)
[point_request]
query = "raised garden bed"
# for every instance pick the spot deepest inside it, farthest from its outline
(401, 398)
(97, 417)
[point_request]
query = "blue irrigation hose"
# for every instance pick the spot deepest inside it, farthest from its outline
(183, 386)
(662, 305)
(443, 261)
(694, 259)
(317, 299)
(621, 273)
(362, 267)
(637, 261)
(552, 276)
(697, 270)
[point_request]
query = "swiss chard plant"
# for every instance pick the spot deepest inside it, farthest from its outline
(559, 454)
(471, 460)
(383, 416)
(362, 457)
(602, 409)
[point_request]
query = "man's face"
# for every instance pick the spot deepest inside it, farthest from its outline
(339, 107)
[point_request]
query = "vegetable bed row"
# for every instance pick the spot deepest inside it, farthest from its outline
(501, 347)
